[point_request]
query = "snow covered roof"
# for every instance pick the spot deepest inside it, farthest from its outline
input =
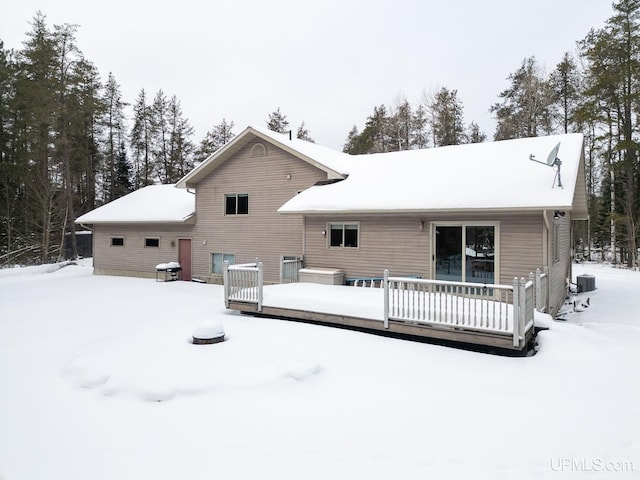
(325, 158)
(152, 204)
(482, 176)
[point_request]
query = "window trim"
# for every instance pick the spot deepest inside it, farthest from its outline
(258, 150)
(237, 203)
(463, 224)
(146, 242)
(343, 224)
(212, 261)
(116, 237)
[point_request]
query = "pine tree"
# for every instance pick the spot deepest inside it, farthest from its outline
(419, 132)
(564, 83)
(12, 172)
(613, 91)
(278, 122)
(142, 135)
(303, 133)
(350, 144)
(35, 91)
(160, 140)
(214, 139)
(114, 124)
(474, 135)
(181, 147)
(525, 107)
(447, 118)
(400, 125)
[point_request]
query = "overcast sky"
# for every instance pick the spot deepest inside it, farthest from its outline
(324, 62)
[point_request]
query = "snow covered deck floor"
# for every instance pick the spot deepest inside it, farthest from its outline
(362, 308)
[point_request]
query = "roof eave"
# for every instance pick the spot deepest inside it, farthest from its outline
(191, 179)
(423, 211)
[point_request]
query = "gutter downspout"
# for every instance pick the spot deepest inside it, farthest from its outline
(548, 260)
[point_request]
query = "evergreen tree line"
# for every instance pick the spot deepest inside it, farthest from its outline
(595, 91)
(66, 145)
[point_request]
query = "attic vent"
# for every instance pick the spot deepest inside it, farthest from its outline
(258, 150)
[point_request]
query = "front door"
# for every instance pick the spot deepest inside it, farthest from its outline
(184, 257)
(465, 253)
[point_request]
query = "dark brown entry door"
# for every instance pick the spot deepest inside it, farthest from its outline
(184, 256)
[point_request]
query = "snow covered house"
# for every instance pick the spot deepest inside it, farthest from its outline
(134, 233)
(482, 213)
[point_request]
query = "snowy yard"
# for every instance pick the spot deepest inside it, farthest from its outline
(99, 380)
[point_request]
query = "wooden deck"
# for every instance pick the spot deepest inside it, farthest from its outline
(396, 328)
(362, 309)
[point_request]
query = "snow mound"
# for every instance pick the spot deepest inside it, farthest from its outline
(209, 329)
(300, 371)
(172, 367)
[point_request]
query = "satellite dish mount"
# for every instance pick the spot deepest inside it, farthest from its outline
(552, 161)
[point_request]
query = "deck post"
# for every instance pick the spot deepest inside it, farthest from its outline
(281, 269)
(522, 311)
(538, 289)
(259, 286)
(516, 312)
(548, 292)
(225, 281)
(385, 281)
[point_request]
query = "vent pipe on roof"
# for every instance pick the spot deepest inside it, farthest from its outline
(290, 134)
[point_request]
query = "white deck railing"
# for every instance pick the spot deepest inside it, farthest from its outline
(504, 309)
(541, 282)
(243, 283)
(289, 269)
(493, 308)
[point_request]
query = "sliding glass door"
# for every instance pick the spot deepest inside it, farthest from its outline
(465, 253)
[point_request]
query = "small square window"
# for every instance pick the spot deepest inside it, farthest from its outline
(236, 204)
(117, 241)
(218, 259)
(152, 242)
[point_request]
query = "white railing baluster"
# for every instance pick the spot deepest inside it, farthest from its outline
(501, 308)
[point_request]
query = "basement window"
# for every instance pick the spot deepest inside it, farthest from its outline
(117, 241)
(152, 242)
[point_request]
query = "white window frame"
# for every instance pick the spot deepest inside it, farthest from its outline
(224, 257)
(463, 225)
(236, 196)
(151, 238)
(343, 224)
(118, 237)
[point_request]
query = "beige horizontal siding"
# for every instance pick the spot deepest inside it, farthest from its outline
(270, 181)
(402, 244)
(394, 243)
(134, 256)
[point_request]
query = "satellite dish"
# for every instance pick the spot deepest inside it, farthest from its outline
(552, 161)
(553, 155)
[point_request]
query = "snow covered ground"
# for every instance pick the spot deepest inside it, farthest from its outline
(98, 379)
